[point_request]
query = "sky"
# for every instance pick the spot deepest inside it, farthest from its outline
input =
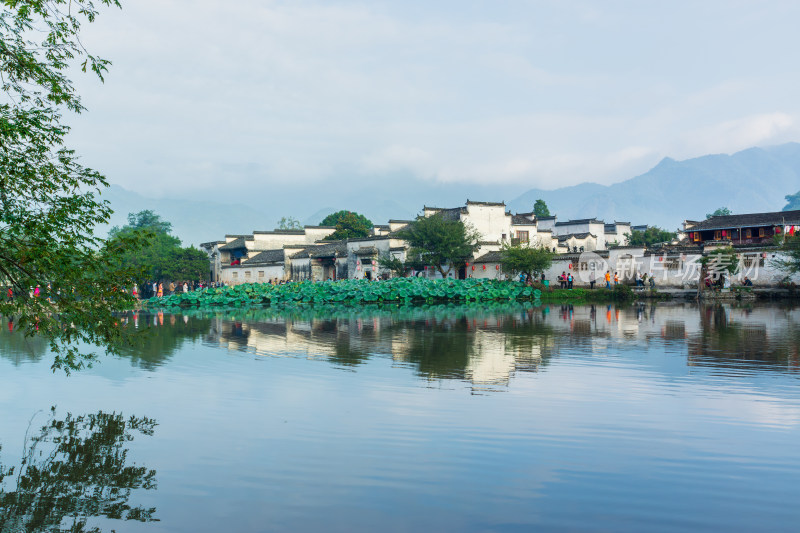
(214, 97)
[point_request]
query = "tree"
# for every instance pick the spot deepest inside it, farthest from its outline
(525, 259)
(791, 249)
(720, 212)
(287, 223)
(349, 225)
(540, 209)
(652, 235)
(794, 202)
(74, 469)
(717, 264)
(49, 204)
(438, 242)
(158, 255)
(396, 265)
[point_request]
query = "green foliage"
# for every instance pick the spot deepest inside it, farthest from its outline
(720, 212)
(394, 264)
(49, 202)
(349, 225)
(791, 249)
(288, 223)
(719, 262)
(74, 469)
(360, 292)
(525, 259)
(437, 241)
(794, 202)
(652, 235)
(159, 255)
(143, 220)
(540, 208)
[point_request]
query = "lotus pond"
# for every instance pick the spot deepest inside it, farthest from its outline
(357, 292)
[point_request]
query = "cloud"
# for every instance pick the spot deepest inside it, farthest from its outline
(532, 94)
(745, 132)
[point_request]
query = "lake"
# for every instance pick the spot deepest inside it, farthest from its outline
(506, 417)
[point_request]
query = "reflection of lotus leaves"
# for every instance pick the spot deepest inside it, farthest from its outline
(594, 264)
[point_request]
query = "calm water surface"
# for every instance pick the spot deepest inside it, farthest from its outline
(509, 418)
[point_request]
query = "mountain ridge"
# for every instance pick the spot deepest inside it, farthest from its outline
(751, 180)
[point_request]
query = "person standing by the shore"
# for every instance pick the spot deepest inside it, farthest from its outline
(608, 279)
(592, 279)
(160, 290)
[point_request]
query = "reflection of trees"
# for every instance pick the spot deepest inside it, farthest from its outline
(75, 469)
(158, 336)
(16, 347)
(728, 343)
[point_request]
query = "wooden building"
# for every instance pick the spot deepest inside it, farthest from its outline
(753, 228)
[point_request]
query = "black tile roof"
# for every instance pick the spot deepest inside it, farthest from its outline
(580, 221)
(520, 220)
(777, 218)
(369, 250)
(576, 235)
(337, 248)
(235, 244)
(490, 257)
(494, 204)
(266, 257)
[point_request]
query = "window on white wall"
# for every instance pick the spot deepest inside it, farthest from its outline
(235, 275)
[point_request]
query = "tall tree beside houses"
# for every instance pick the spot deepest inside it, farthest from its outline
(349, 225)
(652, 235)
(58, 279)
(790, 245)
(439, 242)
(720, 212)
(527, 259)
(289, 223)
(540, 208)
(159, 255)
(793, 202)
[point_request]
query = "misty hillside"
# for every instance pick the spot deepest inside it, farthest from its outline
(757, 179)
(753, 180)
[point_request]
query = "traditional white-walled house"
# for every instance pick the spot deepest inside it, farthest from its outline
(303, 254)
(618, 233)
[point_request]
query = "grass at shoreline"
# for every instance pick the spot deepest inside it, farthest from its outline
(397, 290)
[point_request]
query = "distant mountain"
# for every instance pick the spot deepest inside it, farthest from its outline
(192, 221)
(753, 180)
(757, 179)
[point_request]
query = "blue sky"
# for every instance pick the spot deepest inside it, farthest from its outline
(219, 95)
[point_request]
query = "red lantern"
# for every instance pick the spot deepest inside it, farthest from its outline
(467, 263)
(473, 267)
(497, 267)
(570, 266)
(484, 267)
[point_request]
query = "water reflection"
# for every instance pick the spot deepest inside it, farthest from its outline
(158, 337)
(484, 345)
(76, 468)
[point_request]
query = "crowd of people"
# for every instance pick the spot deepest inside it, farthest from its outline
(159, 289)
